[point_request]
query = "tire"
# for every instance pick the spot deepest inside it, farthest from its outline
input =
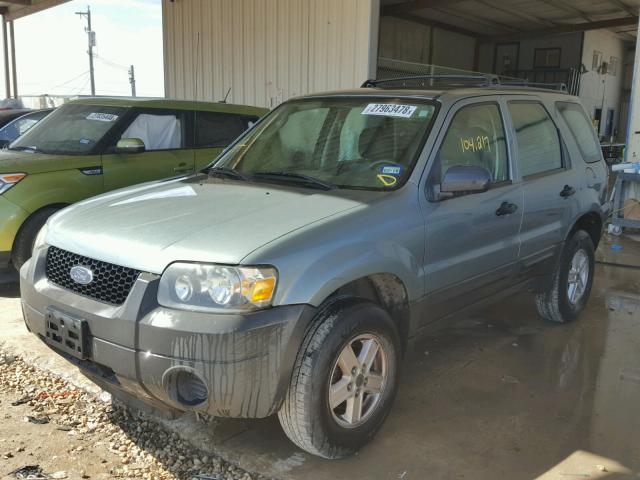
(23, 244)
(560, 303)
(306, 415)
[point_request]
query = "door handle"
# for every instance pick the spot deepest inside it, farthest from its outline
(506, 209)
(567, 191)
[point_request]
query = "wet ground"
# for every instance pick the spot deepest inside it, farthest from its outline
(499, 394)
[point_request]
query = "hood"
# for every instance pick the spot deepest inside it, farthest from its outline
(204, 220)
(31, 163)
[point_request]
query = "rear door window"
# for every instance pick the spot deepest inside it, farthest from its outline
(475, 137)
(581, 130)
(215, 129)
(539, 149)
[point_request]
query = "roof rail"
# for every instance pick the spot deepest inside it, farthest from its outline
(484, 80)
(460, 81)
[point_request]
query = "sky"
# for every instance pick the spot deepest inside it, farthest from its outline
(51, 49)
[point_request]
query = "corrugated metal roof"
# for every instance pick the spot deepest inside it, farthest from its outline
(21, 8)
(504, 17)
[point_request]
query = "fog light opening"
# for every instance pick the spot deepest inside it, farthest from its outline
(185, 387)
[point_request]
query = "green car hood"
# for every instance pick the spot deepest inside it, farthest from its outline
(202, 220)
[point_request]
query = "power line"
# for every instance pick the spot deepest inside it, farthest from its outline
(70, 80)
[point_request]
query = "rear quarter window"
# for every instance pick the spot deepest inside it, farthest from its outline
(581, 130)
(217, 129)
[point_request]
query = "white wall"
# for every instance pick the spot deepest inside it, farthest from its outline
(595, 87)
(267, 51)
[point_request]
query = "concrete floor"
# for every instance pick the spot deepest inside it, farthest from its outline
(499, 394)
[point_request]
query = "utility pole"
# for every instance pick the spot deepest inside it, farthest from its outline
(91, 36)
(132, 80)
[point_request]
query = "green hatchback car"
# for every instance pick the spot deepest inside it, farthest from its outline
(95, 145)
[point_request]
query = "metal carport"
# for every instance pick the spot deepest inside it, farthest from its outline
(12, 10)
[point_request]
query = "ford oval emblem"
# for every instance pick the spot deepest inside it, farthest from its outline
(81, 275)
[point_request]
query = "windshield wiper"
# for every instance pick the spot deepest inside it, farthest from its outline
(297, 177)
(228, 172)
(24, 149)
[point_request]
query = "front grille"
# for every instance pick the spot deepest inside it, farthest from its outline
(111, 283)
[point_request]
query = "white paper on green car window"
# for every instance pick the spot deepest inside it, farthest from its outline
(389, 110)
(102, 117)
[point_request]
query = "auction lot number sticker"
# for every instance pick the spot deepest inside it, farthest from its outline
(389, 110)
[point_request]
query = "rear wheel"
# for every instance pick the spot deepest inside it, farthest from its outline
(571, 285)
(23, 244)
(344, 379)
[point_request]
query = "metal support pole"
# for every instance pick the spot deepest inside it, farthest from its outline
(14, 72)
(132, 80)
(91, 42)
(632, 150)
(5, 45)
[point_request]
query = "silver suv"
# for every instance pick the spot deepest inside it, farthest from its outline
(289, 276)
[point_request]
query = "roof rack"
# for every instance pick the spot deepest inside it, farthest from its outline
(482, 80)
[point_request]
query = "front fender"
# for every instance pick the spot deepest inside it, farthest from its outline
(326, 274)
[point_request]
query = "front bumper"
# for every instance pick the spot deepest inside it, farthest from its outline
(11, 219)
(245, 361)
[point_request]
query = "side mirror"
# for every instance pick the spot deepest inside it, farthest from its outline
(130, 145)
(465, 179)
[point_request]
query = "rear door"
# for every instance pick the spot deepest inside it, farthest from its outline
(214, 131)
(549, 183)
(472, 240)
(165, 135)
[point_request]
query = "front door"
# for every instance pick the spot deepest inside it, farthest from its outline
(472, 240)
(164, 133)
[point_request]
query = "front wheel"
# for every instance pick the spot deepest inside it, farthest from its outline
(344, 380)
(571, 284)
(26, 237)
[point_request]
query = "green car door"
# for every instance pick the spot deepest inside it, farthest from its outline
(166, 153)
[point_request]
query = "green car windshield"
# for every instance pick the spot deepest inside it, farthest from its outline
(346, 142)
(72, 129)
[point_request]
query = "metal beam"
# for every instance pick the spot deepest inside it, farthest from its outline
(32, 8)
(5, 46)
(435, 24)
(408, 7)
(569, 28)
(14, 72)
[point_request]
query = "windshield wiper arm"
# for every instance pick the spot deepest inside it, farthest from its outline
(228, 172)
(23, 149)
(299, 177)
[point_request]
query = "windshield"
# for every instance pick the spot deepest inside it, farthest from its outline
(367, 143)
(70, 130)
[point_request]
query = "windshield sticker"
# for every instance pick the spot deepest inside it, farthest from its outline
(393, 170)
(387, 180)
(390, 110)
(85, 141)
(102, 117)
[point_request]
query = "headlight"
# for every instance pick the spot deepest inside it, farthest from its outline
(8, 180)
(39, 241)
(215, 288)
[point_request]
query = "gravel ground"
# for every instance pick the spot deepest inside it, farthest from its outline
(69, 433)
